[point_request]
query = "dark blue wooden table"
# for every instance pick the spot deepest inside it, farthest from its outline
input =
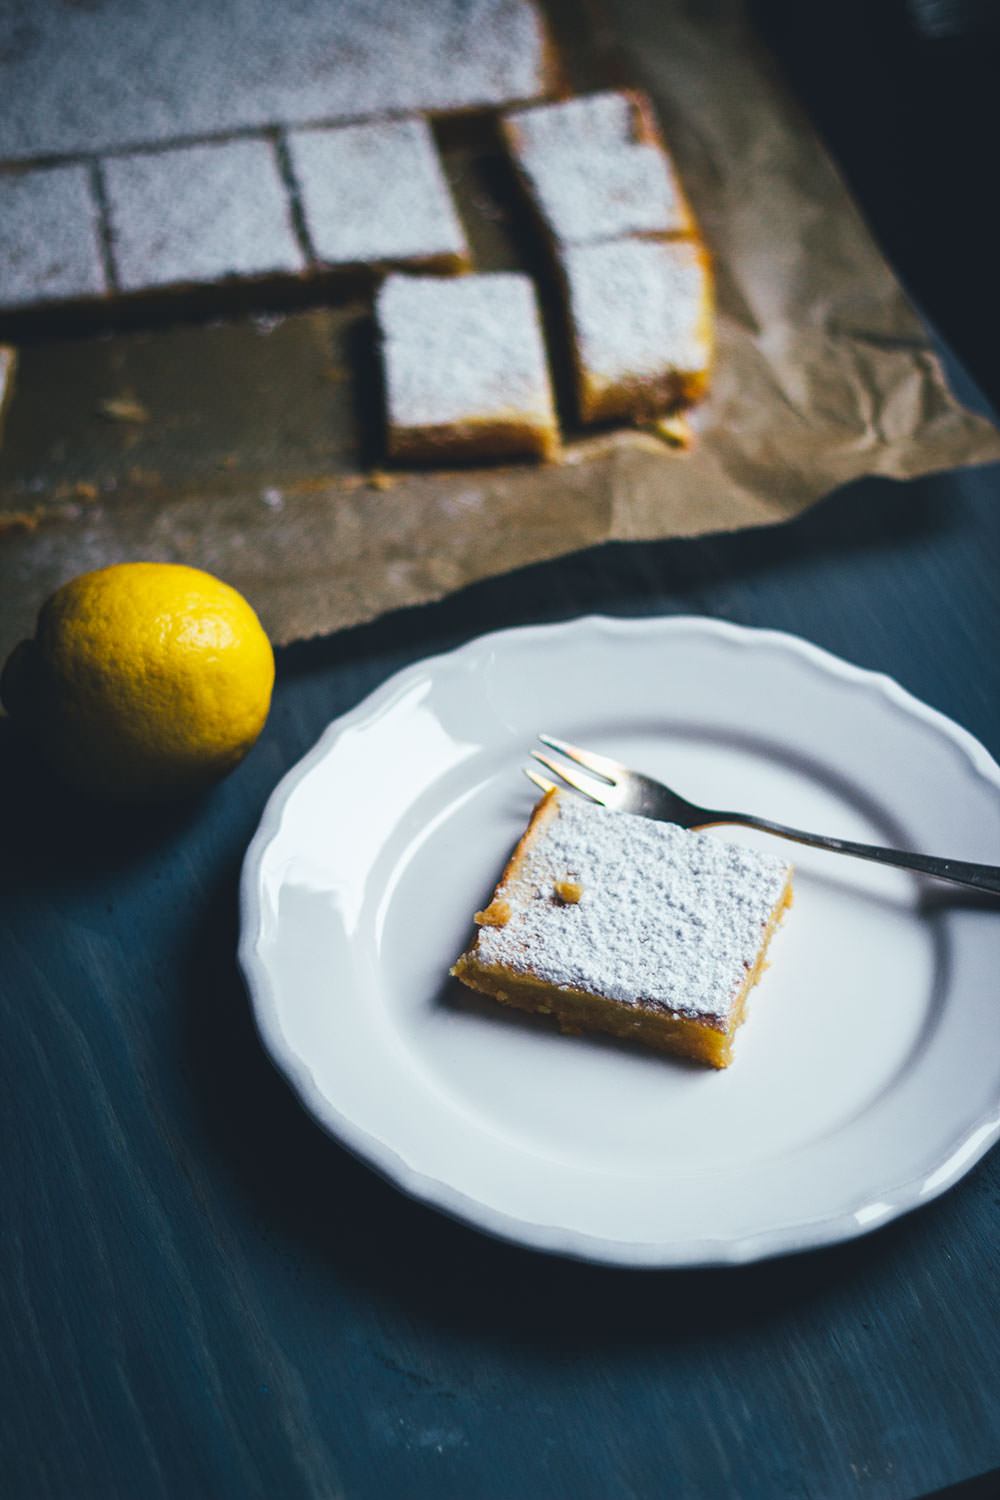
(204, 1298)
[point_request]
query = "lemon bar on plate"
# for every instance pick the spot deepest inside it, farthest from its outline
(616, 923)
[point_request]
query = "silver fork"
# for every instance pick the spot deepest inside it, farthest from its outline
(613, 785)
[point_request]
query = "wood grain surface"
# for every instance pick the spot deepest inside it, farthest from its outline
(202, 1295)
(204, 1298)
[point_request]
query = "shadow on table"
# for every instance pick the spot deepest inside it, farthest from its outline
(921, 81)
(52, 835)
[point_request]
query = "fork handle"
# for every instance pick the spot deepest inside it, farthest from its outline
(960, 871)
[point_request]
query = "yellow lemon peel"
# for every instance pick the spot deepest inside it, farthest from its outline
(143, 681)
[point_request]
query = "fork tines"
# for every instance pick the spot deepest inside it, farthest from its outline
(596, 787)
(603, 765)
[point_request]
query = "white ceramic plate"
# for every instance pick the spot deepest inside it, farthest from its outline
(867, 1077)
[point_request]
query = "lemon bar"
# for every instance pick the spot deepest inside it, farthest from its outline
(620, 924)
(375, 195)
(641, 317)
(596, 168)
(465, 369)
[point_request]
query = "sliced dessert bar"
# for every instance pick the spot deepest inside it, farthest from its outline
(50, 238)
(202, 214)
(464, 367)
(375, 195)
(620, 924)
(595, 168)
(641, 320)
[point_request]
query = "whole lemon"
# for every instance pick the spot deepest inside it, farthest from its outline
(144, 680)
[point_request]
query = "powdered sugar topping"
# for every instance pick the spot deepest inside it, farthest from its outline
(199, 214)
(122, 73)
(591, 178)
(375, 192)
(667, 919)
(639, 307)
(463, 347)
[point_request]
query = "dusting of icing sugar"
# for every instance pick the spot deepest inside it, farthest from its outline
(198, 213)
(638, 307)
(375, 192)
(667, 919)
(152, 77)
(590, 177)
(461, 347)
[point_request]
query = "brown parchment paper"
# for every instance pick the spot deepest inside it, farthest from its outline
(250, 447)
